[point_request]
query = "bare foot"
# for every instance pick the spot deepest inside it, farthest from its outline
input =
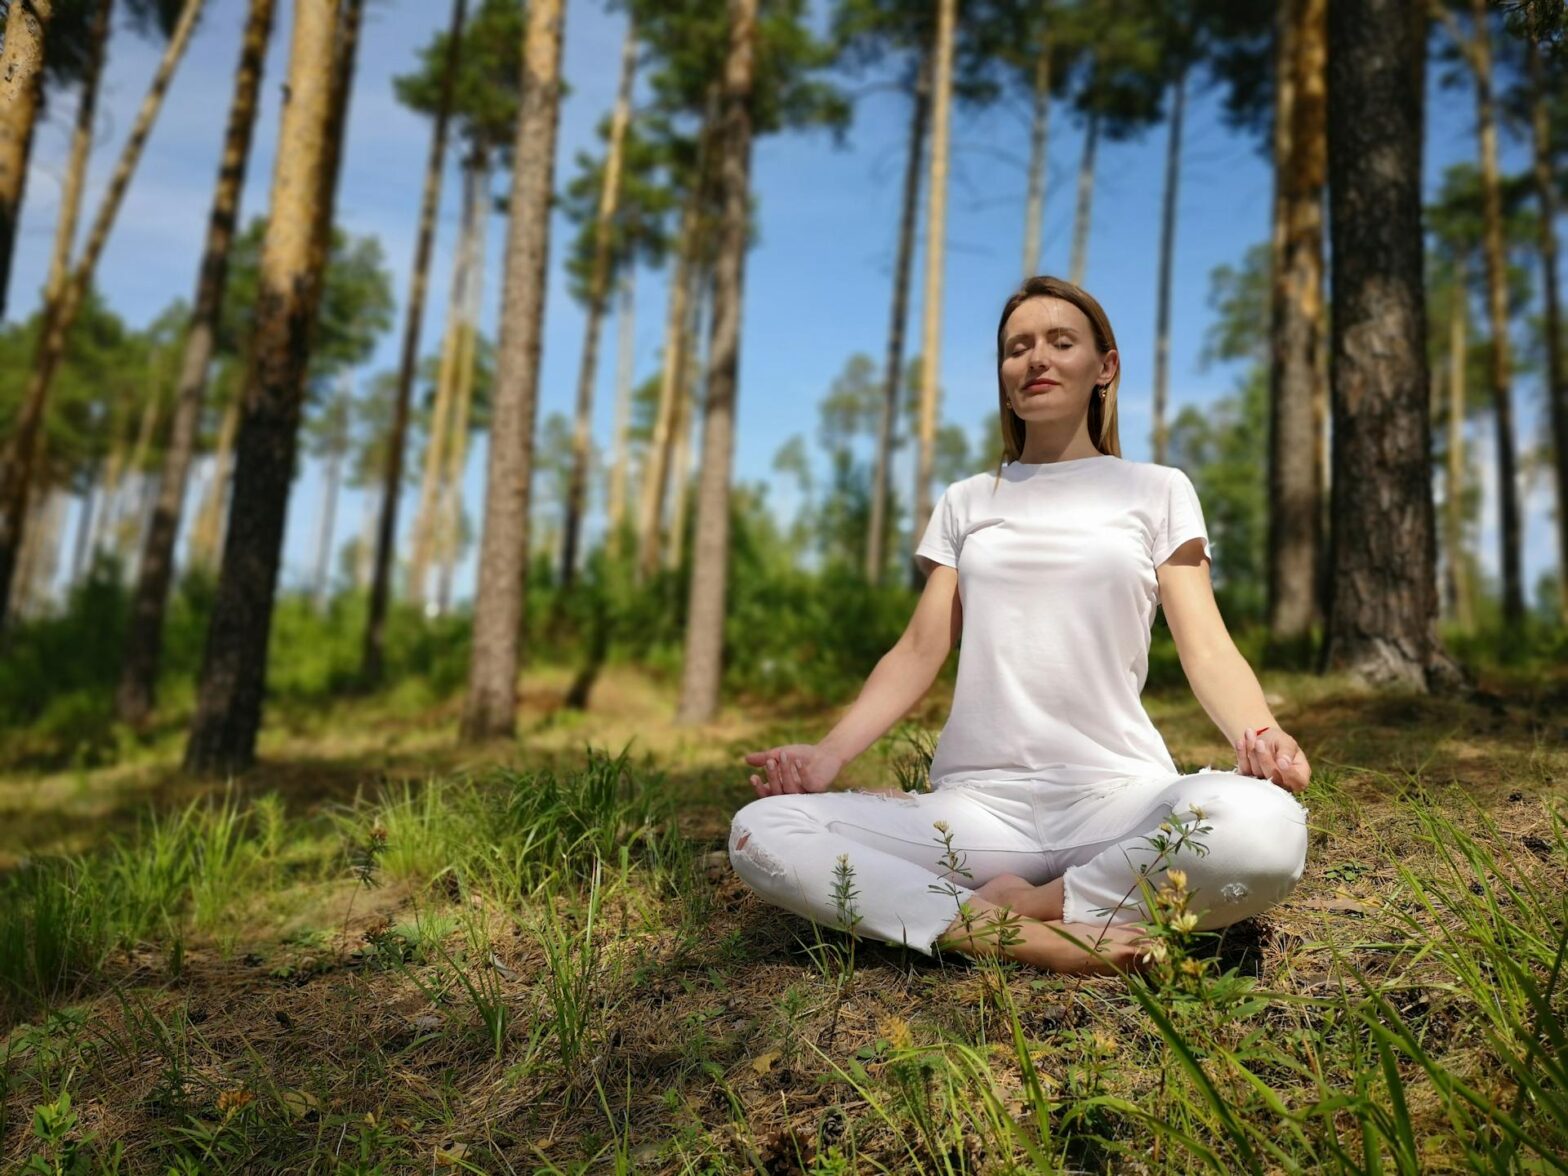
(1054, 946)
(1031, 901)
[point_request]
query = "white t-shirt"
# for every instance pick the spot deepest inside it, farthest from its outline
(1056, 574)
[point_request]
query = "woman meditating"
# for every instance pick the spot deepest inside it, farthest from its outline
(1052, 794)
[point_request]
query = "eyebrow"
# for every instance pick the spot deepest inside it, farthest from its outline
(1049, 331)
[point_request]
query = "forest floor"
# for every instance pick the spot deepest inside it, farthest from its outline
(379, 952)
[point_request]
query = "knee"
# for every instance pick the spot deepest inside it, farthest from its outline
(755, 833)
(1256, 850)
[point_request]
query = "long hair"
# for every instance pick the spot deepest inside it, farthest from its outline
(1102, 410)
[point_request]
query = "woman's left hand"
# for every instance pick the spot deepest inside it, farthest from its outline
(1273, 755)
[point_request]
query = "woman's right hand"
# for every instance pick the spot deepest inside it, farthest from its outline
(793, 768)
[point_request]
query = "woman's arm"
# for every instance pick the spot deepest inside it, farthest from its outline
(900, 680)
(1221, 679)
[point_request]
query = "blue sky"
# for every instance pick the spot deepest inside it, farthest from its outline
(817, 284)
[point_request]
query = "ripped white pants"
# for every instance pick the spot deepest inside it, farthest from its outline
(878, 863)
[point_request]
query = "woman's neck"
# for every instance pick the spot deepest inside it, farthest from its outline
(1042, 448)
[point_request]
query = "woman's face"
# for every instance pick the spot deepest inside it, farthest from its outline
(1049, 362)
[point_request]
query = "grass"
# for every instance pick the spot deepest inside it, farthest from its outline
(538, 961)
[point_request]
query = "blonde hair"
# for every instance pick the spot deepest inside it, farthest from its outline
(1102, 409)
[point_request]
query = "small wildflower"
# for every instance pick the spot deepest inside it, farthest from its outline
(1191, 967)
(1185, 922)
(897, 1032)
(231, 1102)
(1197, 813)
(1104, 1042)
(940, 826)
(1177, 879)
(1155, 952)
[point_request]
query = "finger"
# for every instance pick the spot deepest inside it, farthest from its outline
(1271, 769)
(782, 775)
(799, 776)
(1241, 767)
(1254, 759)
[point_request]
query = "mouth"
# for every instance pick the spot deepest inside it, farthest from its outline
(1040, 385)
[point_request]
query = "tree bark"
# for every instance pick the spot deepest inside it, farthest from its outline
(1295, 495)
(892, 376)
(704, 654)
(21, 95)
(1034, 205)
(1556, 376)
(373, 660)
(60, 313)
(936, 251)
(1382, 622)
(1497, 308)
(1457, 579)
(598, 294)
(233, 675)
(1162, 317)
(491, 707)
(625, 345)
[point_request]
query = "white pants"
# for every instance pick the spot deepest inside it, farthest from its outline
(1251, 846)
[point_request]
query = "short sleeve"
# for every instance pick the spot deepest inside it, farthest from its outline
(1181, 519)
(940, 543)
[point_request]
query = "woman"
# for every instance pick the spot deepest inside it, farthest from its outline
(1052, 794)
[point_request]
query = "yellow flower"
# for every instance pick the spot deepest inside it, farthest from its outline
(1177, 879)
(897, 1032)
(1155, 952)
(1186, 922)
(1192, 967)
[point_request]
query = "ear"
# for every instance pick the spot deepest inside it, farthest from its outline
(1109, 366)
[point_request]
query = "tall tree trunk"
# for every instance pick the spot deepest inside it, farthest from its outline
(1497, 307)
(233, 674)
(1034, 206)
(21, 95)
(625, 345)
(685, 410)
(60, 313)
(1457, 578)
(1556, 376)
(1162, 317)
(598, 295)
(704, 652)
(137, 691)
(373, 660)
(441, 410)
(208, 530)
(491, 707)
(1383, 618)
(28, 567)
(451, 497)
(1295, 495)
(892, 376)
(936, 252)
(1091, 140)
